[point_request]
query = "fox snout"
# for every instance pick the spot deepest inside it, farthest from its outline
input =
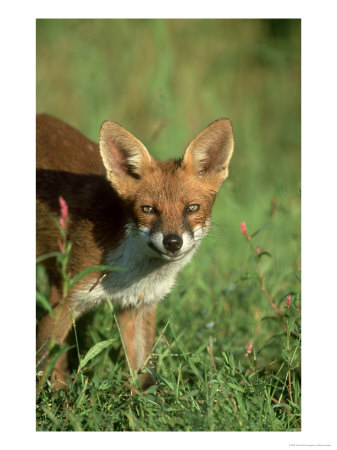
(172, 242)
(170, 246)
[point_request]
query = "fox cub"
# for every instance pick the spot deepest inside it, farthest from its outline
(126, 209)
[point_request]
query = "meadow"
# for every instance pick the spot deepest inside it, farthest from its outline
(228, 347)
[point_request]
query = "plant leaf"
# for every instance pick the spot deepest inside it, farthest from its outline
(41, 299)
(265, 225)
(160, 378)
(236, 387)
(94, 351)
(46, 256)
(264, 253)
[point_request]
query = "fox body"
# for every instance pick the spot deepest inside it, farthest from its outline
(126, 209)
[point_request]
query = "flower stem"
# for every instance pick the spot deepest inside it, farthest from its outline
(266, 293)
(289, 374)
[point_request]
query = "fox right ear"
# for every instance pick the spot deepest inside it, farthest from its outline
(209, 154)
(124, 156)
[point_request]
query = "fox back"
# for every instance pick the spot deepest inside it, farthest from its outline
(126, 209)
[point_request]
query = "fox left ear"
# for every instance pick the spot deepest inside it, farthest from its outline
(209, 154)
(125, 158)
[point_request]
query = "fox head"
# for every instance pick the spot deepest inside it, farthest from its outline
(168, 203)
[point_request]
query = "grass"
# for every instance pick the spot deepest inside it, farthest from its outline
(172, 79)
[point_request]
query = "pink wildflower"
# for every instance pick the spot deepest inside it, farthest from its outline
(62, 222)
(288, 301)
(258, 250)
(61, 247)
(244, 231)
(64, 208)
(243, 228)
(249, 348)
(64, 212)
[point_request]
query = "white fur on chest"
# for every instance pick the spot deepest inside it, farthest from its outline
(144, 278)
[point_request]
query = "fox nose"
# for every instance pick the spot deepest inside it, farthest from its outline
(172, 242)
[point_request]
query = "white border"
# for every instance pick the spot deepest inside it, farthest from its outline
(318, 218)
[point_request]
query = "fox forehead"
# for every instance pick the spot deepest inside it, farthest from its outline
(166, 183)
(169, 189)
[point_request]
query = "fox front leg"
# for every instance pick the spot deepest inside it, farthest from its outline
(137, 327)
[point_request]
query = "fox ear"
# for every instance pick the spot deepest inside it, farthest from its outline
(209, 154)
(124, 157)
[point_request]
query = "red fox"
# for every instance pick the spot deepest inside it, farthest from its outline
(126, 209)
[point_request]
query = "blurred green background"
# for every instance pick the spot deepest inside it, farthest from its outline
(165, 80)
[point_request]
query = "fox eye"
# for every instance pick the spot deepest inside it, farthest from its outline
(193, 208)
(148, 209)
